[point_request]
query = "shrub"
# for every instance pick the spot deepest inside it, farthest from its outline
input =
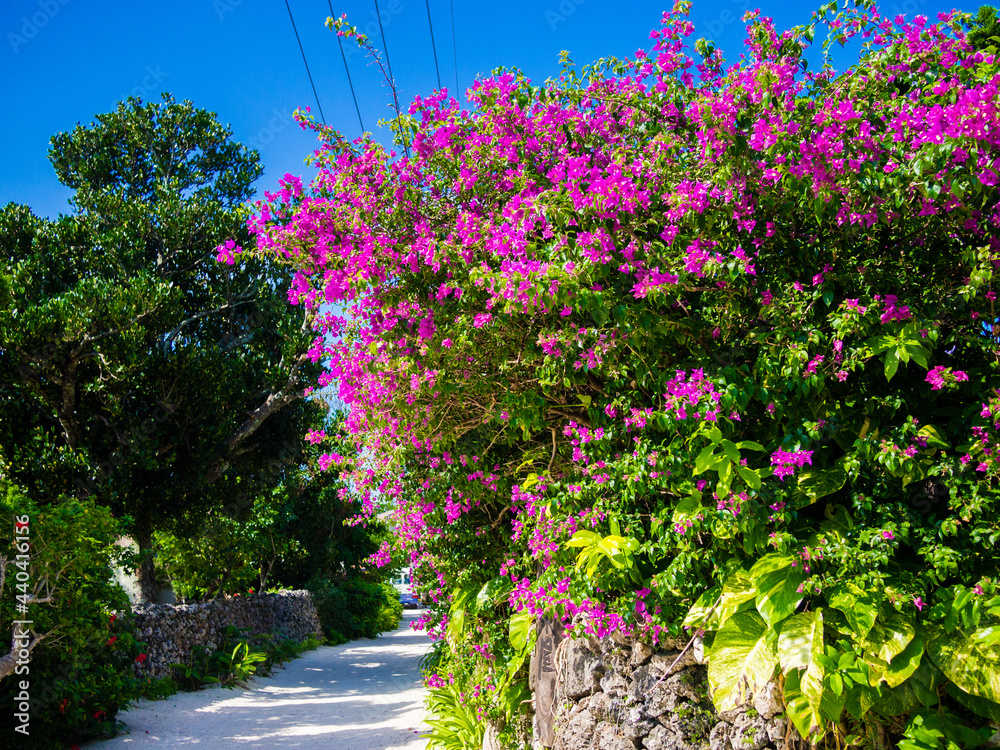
(331, 605)
(80, 672)
(355, 609)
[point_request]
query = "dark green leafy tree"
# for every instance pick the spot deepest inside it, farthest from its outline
(985, 32)
(292, 532)
(134, 367)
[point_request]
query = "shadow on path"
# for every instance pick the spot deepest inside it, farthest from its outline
(363, 695)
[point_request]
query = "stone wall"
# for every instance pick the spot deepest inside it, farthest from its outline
(172, 631)
(616, 695)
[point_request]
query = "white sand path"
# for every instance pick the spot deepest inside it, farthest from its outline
(363, 695)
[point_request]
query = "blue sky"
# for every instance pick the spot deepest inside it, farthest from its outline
(64, 61)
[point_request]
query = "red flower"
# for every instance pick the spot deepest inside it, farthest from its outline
(63, 704)
(98, 714)
(111, 620)
(140, 658)
(250, 591)
(112, 639)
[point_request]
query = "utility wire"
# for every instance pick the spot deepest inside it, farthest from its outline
(349, 82)
(433, 46)
(308, 73)
(392, 79)
(454, 46)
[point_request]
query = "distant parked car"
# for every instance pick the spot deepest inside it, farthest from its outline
(402, 584)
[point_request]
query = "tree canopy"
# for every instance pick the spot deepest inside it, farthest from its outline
(133, 366)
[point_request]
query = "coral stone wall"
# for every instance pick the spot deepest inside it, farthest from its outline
(172, 631)
(614, 695)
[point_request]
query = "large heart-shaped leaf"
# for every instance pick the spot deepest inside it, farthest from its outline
(820, 483)
(737, 590)
(859, 607)
(800, 640)
(741, 661)
(905, 663)
(890, 635)
(966, 661)
(803, 694)
(778, 593)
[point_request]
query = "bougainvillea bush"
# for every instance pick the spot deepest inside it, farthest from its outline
(681, 345)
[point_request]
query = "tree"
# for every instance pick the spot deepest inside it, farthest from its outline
(986, 31)
(135, 367)
(689, 344)
(295, 530)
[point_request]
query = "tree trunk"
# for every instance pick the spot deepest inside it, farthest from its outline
(146, 571)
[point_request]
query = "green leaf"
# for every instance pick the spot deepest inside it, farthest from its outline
(890, 635)
(751, 477)
(494, 589)
(860, 608)
(800, 640)
(934, 437)
(732, 452)
(891, 361)
(741, 661)
(749, 445)
(706, 460)
(803, 695)
(904, 664)
(918, 354)
(881, 342)
(972, 666)
(820, 483)
(974, 703)
(769, 563)
(703, 611)
(737, 590)
(688, 507)
(582, 538)
(519, 629)
(778, 595)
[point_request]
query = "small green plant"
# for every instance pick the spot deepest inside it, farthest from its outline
(239, 665)
(158, 689)
(454, 724)
(197, 674)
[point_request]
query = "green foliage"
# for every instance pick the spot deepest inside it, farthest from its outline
(355, 608)
(985, 33)
(159, 689)
(236, 660)
(81, 671)
(454, 723)
(218, 560)
(134, 367)
(284, 536)
(719, 348)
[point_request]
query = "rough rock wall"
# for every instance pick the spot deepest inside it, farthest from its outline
(172, 631)
(613, 695)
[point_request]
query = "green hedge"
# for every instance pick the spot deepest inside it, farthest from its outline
(355, 609)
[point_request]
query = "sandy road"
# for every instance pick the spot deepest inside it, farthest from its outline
(363, 695)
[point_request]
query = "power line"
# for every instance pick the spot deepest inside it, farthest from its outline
(308, 73)
(392, 79)
(454, 46)
(433, 46)
(349, 81)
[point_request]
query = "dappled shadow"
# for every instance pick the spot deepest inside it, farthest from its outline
(364, 695)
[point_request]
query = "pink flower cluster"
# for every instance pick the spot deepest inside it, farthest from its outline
(785, 462)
